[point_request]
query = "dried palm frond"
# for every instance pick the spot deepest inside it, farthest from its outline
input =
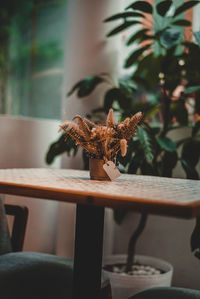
(102, 141)
(83, 126)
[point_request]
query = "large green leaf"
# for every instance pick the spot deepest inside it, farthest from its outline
(135, 162)
(197, 37)
(85, 160)
(148, 69)
(137, 36)
(142, 6)
(64, 144)
(192, 89)
(119, 215)
(124, 15)
(180, 112)
(190, 171)
(122, 27)
(132, 59)
(115, 94)
(185, 6)
(196, 128)
(146, 142)
(171, 37)
(127, 86)
(169, 161)
(181, 23)
(110, 96)
(163, 7)
(191, 152)
(86, 86)
(167, 144)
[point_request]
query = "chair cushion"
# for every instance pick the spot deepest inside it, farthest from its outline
(31, 275)
(168, 293)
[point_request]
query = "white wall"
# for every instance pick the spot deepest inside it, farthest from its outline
(24, 143)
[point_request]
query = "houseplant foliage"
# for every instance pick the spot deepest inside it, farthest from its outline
(166, 73)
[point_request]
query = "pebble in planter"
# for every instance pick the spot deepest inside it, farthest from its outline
(102, 142)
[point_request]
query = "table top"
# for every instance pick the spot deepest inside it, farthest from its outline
(157, 195)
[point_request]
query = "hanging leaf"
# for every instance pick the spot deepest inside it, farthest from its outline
(86, 86)
(113, 94)
(191, 152)
(64, 144)
(119, 215)
(169, 161)
(123, 16)
(147, 169)
(135, 56)
(195, 129)
(197, 37)
(85, 160)
(122, 27)
(185, 6)
(195, 237)
(163, 7)
(180, 112)
(127, 86)
(182, 23)
(190, 171)
(146, 143)
(138, 35)
(142, 6)
(192, 89)
(171, 37)
(135, 162)
(167, 144)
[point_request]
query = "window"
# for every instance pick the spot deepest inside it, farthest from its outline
(31, 82)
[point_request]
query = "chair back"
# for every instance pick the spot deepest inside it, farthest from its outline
(5, 241)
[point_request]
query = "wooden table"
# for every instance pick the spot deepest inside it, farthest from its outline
(156, 195)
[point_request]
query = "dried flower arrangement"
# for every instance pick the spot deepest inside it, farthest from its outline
(102, 141)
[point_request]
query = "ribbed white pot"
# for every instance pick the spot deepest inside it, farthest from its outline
(124, 286)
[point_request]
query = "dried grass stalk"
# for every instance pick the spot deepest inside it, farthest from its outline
(102, 141)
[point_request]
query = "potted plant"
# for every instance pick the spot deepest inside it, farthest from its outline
(102, 143)
(166, 74)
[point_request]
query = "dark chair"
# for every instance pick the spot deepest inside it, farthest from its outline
(31, 275)
(167, 293)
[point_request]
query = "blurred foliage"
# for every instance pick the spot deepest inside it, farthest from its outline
(166, 77)
(16, 22)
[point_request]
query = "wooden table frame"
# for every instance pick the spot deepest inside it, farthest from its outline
(162, 196)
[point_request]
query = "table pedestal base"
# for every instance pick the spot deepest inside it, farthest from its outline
(88, 252)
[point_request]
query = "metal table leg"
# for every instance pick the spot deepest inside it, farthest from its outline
(88, 252)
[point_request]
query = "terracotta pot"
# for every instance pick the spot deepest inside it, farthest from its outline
(96, 170)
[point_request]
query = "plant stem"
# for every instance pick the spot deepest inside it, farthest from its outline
(133, 240)
(165, 110)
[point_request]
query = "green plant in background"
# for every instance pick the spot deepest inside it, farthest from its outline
(19, 49)
(164, 83)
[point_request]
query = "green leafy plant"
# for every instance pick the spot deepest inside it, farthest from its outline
(166, 76)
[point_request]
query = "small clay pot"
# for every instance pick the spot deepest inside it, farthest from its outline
(96, 170)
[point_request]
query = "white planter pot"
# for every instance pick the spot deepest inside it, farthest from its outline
(124, 286)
